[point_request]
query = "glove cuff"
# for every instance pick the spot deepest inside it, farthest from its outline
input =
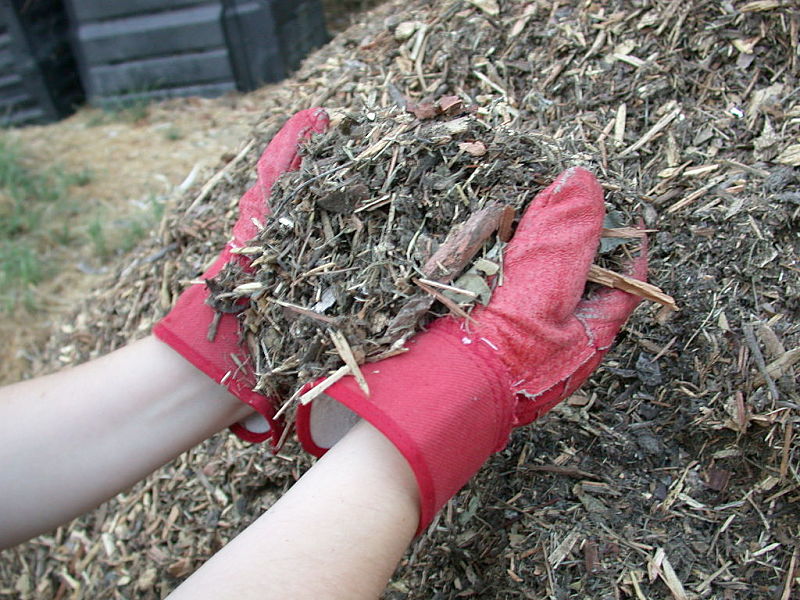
(185, 329)
(446, 406)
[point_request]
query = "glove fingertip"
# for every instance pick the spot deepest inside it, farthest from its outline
(319, 119)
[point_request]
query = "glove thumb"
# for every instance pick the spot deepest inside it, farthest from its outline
(605, 312)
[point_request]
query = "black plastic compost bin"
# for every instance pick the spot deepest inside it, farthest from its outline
(136, 49)
(38, 77)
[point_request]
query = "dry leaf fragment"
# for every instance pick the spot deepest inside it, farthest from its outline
(476, 287)
(486, 266)
(763, 98)
(490, 7)
(405, 30)
(717, 479)
(761, 5)
(457, 126)
(746, 46)
(763, 145)
(180, 568)
(522, 22)
(790, 156)
(450, 105)
(473, 148)
(425, 110)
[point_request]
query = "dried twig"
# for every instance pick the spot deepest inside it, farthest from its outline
(323, 385)
(452, 306)
(628, 284)
(346, 354)
(626, 232)
(660, 125)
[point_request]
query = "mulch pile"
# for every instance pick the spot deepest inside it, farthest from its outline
(673, 473)
(395, 216)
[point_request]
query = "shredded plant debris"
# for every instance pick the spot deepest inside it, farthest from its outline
(675, 471)
(396, 216)
(391, 220)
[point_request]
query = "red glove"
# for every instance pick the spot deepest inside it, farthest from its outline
(186, 327)
(453, 398)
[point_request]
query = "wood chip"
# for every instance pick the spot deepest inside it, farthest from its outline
(762, 5)
(473, 148)
(619, 124)
(674, 584)
(506, 227)
(648, 291)
(660, 125)
(346, 354)
(626, 232)
(692, 198)
(490, 7)
(780, 366)
(561, 551)
(323, 385)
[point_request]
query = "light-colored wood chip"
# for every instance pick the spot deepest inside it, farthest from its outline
(790, 576)
(671, 579)
(693, 197)
(626, 232)
(762, 5)
(790, 156)
(780, 366)
(648, 291)
(323, 385)
(490, 7)
(619, 124)
(634, 579)
(561, 551)
(660, 125)
(346, 354)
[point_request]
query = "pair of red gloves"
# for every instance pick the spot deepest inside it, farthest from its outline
(452, 400)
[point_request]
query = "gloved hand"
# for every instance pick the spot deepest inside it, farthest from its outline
(186, 327)
(454, 397)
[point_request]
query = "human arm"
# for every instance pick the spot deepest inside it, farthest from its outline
(339, 532)
(82, 435)
(536, 341)
(74, 439)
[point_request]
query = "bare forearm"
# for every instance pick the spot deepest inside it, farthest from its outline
(338, 533)
(71, 440)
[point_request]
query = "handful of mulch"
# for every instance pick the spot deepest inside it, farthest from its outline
(393, 219)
